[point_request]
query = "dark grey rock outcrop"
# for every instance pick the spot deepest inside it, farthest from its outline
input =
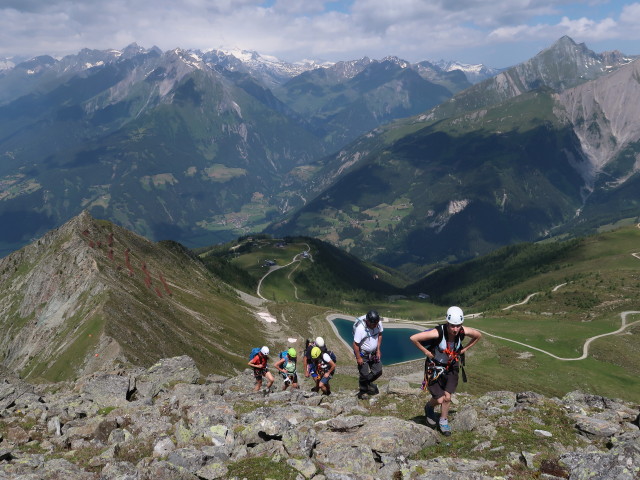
(177, 428)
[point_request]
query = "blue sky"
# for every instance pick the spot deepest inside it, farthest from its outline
(499, 33)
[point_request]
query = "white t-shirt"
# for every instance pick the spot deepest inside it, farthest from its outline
(370, 344)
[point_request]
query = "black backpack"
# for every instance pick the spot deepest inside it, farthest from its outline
(432, 344)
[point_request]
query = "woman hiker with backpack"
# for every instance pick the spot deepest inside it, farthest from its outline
(443, 348)
(286, 365)
(260, 369)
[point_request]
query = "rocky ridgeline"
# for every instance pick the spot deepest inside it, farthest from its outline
(167, 423)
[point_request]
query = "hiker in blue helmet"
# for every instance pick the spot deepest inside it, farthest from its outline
(444, 352)
(367, 340)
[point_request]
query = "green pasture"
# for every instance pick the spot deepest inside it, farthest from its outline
(555, 334)
(496, 364)
(410, 308)
(253, 261)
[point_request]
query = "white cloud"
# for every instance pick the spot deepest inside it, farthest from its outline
(323, 29)
(589, 29)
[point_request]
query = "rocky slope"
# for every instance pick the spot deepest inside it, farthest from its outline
(91, 295)
(603, 114)
(167, 423)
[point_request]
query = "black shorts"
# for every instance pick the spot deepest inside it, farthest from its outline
(258, 373)
(447, 382)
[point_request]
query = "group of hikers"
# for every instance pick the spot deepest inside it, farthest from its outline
(442, 346)
(319, 363)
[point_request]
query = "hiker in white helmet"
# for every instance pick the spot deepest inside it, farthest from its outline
(260, 369)
(444, 351)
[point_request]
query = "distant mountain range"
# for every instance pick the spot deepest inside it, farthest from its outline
(198, 147)
(545, 147)
(430, 167)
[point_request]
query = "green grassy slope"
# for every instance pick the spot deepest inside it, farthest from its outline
(581, 287)
(325, 276)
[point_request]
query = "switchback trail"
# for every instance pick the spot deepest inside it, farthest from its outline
(296, 258)
(585, 347)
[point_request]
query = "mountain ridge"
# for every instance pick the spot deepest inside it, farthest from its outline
(91, 295)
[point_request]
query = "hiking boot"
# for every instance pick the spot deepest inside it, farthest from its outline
(362, 395)
(315, 389)
(445, 428)
(430, 415)
(373, 389)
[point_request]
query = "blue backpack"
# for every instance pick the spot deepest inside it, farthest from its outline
(284, 354)
(333, 356)
(254, 352)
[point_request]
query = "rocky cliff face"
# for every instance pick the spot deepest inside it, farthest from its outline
(604, 115)
(167, 422)
(91, 295)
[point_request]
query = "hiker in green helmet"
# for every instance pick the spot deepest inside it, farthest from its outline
(286, 365)
(444, 352)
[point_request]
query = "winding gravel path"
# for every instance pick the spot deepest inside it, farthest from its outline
(587, 343)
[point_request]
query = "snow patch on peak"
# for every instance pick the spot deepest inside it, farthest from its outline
(474, 72)
(398, 61)
(6, 64)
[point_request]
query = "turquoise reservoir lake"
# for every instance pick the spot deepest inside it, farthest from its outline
(396, 346)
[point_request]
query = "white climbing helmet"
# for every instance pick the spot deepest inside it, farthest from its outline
(319, 342)
(455, 316)
(265, 351)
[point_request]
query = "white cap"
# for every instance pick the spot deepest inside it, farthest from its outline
(264, 350)
(319, 342)
(455, 316)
